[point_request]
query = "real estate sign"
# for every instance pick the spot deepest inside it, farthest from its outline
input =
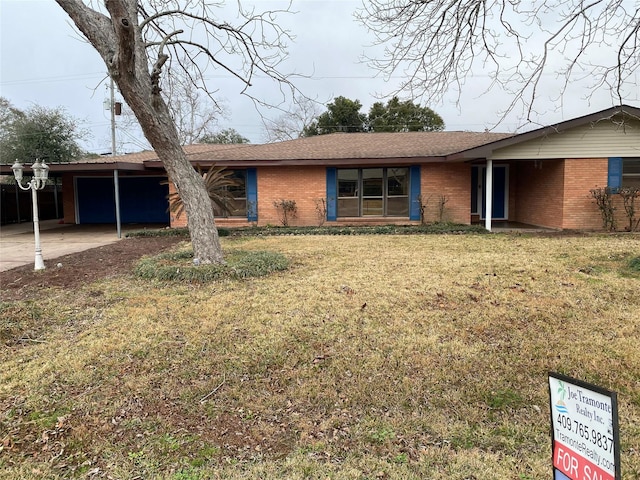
(584, 430)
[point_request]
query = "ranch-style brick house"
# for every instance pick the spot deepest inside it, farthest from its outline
(541, 178)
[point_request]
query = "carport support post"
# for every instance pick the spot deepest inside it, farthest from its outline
(488, 195)
(18, 206)
(116, 186)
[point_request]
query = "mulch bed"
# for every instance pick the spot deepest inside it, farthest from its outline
(77, 269)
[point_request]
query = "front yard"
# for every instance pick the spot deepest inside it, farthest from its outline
(371, 357)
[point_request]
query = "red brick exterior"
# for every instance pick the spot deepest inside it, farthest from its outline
(580, 176)
(451, 180)
(537, 192)
(547, 193)
(555, 193)
(305, 185)
(68, 198)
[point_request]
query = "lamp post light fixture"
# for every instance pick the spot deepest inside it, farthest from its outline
(39, 180)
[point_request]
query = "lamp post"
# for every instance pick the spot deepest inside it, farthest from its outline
(39, 180)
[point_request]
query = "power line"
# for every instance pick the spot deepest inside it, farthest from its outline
(59, 78)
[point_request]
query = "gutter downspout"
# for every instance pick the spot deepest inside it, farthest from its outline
(488, 195)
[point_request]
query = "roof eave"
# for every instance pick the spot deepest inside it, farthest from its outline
(324, 162)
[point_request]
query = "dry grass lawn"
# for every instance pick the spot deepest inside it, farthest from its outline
(372, 357)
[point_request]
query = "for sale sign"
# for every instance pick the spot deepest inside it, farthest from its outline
(584, 430)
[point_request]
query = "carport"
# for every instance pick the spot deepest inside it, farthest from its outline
(106, 191)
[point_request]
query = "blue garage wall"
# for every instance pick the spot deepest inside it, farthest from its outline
(95, 200)
(142, 200)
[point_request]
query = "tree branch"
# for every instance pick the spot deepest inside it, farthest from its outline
(437, 45)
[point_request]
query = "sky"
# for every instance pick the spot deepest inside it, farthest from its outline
(43, 61)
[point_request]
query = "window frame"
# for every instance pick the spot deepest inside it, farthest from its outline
(361, 198)
(241, 212)
(630, 179)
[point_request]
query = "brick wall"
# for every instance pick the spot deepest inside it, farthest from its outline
(68, 198)
(581, 175)
(539, 193)
(452, 180)
(305, 185)
(555, 193)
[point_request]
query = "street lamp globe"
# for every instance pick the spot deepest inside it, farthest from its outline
(17, 171)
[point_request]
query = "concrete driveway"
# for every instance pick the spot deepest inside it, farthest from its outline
(17, 244)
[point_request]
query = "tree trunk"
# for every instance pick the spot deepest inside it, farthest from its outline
(119, 41)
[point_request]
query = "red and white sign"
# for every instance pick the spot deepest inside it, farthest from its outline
(584, 423)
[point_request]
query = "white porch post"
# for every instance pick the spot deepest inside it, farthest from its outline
(488, 194)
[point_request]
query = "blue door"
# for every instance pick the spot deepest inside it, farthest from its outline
(500, 195)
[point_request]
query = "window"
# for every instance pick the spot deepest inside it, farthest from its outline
(373, 192)
(631, 172)
(624, 172)
(238, 205)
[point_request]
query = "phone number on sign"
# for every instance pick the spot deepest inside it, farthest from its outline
(583, 431)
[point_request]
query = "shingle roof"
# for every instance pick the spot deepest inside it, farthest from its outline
(357, 146)
(150, 155)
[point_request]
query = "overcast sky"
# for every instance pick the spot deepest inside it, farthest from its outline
(43, 62)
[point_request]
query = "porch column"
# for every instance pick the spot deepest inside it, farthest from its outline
(488, 194)
(116, 186)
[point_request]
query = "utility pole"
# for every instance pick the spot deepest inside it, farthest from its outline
(116, 180)
(113, 118)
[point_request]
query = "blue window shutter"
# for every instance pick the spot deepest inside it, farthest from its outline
(332, 194)
(614, 180)
(252, 195)
(414, 192)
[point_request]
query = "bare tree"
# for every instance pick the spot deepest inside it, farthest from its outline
(136, 39)
(291, 124)
(194, 110)
(437, 44)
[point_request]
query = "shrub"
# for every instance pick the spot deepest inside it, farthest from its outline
(287, 210)
(629, 196)
(178, 266)
(321, 210)
(604, 200)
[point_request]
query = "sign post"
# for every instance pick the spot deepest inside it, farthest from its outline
(584, 430)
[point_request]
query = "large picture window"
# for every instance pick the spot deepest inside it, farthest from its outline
(381, 192)
(237, 206)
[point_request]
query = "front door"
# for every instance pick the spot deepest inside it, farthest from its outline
(500, 197)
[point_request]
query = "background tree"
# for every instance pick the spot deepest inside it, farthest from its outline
(436, 45)
(227, 136)
(49, 134)
(342, 115)
(397, 116)
(138, 39)
(194, 110)
(292, 124)
(8, 115)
